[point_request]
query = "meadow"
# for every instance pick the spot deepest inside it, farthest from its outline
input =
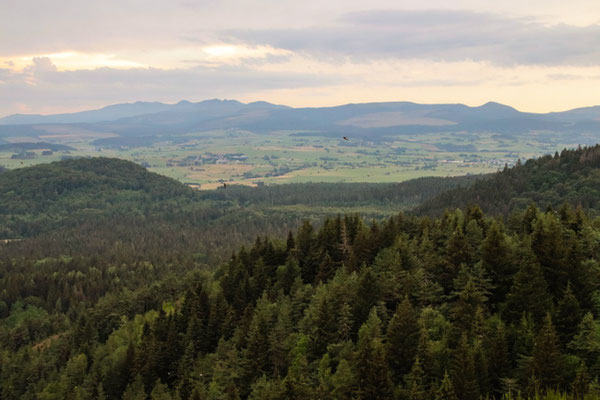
(208, 160)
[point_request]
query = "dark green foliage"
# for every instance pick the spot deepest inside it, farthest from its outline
(572, 178)
(371, 369)
(345, 309)
(446, 390)
(529, 290)
(402, 339)
(547, 361)
(568, 316)
(463, 373)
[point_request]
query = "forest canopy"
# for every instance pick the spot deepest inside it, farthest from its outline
(466, 305)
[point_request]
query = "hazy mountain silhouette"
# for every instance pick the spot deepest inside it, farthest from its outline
(372, 120)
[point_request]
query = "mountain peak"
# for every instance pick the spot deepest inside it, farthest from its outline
(492, 105)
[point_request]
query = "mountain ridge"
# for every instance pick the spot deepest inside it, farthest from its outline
(383, 119)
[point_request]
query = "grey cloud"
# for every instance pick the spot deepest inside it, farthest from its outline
(438, 35)
(41, 85)
(41, 65)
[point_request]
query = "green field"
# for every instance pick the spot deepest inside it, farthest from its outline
(209, 159)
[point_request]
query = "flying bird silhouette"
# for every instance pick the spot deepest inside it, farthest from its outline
(345, 137)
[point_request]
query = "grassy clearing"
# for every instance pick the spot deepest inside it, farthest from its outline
(283, 158)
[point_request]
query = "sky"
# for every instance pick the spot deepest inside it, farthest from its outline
(72, 55)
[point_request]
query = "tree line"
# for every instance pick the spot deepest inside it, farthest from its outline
(464, 306)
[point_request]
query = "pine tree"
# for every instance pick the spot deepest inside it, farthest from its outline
(457, 253)
(402, 339)
(415, 382)
(279, 345)
(135, 390)
(367, 295)
(266, 389)
(344, 322)
(287, 274)
(586, 343)
(446, 390)
(298, 383)
(327, 268)
(581, 384)
(425, 356)
(464, 377)
(497, 354)
(550, 250)
(324, 378)
(100, 392)
(344, 381)
(496, 259)
(568, 317)
(481, 363)
(547, 360)
(529, 291)
(160, 392)
(474, 237)
(372, 373)
(290, 243)
(257, 352)
(471, 293)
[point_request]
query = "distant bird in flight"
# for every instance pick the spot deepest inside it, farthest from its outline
(345, 137)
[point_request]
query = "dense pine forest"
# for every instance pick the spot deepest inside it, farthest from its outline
(573, 177)
(106, 291)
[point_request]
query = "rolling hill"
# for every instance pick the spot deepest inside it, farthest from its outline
(572, 177)
(407, 307)
(375, 121)
(96, 205)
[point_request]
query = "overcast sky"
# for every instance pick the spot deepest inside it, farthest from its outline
(69, 55)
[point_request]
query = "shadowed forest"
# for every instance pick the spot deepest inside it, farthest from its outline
(122, 284)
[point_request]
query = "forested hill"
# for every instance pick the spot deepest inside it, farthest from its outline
(99, 206)
(72, 192)
(46, 196)
(108, 208)
(573, 177)
(117, 303)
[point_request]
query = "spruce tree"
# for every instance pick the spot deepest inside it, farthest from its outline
(279, 337)
(425, 356)
(446, 389)
(415, 382)
(402, 340)
(160, 392)
(344, 381)
(257, 359)
(496, 259)
(135, 390)
(581, 384)
(568, 317)
(586, 343)
(529, 290)
(344, 322)
(367, 295)
(290, 243)
(496, 345)
(547, 361)
(457, 253)
(371, 368)
(464, 376)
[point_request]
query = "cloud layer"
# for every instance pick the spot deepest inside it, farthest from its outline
(68, 55)
(438, 35)
(41, 81)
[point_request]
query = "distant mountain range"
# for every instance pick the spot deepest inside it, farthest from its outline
(369, 120)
